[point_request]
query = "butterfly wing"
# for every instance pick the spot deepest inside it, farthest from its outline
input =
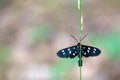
(90, 51)
(69, 52)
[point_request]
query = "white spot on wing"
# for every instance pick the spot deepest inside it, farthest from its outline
(89, 48)
(94, 49)
(73, 47)
(62, 50)
(88, 51)
(75, 51)
(83, 48)
(69, 52)
(73, 54)
(63, 53)
(68, 49)
(85, 53)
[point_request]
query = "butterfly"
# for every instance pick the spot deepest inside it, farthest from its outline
(78, 50)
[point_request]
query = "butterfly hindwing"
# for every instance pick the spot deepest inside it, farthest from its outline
(90, 51)
(69, 52)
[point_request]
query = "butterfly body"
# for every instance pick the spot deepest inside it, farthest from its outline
(78, 50)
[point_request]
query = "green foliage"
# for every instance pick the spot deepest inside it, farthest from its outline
(41, 33)
(3, 1)
(4, 55)
(62, 68)
(110, 44)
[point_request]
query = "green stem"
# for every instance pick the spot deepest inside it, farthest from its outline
(81, 28)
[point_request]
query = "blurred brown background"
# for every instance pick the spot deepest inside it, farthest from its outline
(32, 31)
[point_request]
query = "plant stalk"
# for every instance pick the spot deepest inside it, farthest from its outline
(80, 13)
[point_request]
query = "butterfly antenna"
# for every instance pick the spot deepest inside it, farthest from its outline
(74, 37)
(83, 37)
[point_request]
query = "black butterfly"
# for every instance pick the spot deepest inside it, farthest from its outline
(73, 51)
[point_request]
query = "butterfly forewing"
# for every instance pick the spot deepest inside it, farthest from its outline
(69, 52)
(90, 51)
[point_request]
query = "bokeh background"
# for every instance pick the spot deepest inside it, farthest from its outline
(32, 31)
